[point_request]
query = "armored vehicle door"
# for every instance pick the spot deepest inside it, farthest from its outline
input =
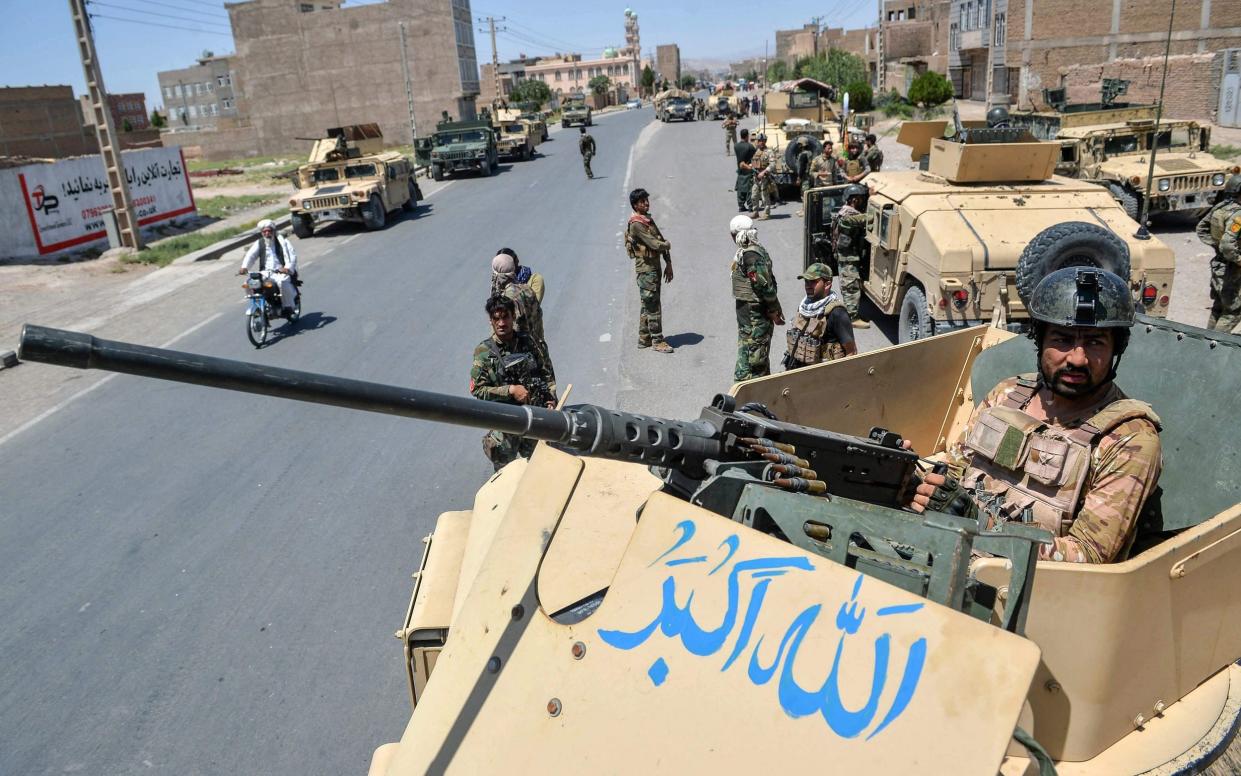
(820, 206)
(883, 235)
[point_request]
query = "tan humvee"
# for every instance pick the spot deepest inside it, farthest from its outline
(513, 139)
(350, 177)
(942, 244)
(1111, 145)
(580, 619)
(533, 129)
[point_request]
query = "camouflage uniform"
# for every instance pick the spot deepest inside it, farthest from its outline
(824, 166)
(754, 288)
(489, 380)
(586, 144)
(873, 158)
(1086, 480)
(851, 166)
(850, 241)
(810, 341)
(1221, 229)
(645, 245)
(730, 135)
(529, 321)
(760, 193)
(804, 158)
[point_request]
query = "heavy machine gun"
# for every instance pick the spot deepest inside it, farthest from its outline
(836, 495)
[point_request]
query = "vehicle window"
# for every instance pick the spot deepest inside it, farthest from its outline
(324, 174)
(391, 172)
(1121, 144)
(1174, 138)
(885, 217)
(1068, 152)
(360, 171)
(515, 128)
(803, 100)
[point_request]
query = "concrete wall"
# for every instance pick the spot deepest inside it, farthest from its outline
(299, 73)
(43, 121)
(1192, 90)
(217, 145)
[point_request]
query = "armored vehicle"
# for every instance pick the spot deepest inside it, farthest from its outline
(515, 139)
(463, 146)
(720, 613)
(673, 104)
(528, 113)
(1110, 143)
(575, 111)
(350, 177)
(718, 107)
(805, 98)
(787, 141)
(942, 244)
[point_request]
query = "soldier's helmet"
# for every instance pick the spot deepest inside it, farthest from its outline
(998, 116)
(1082, 296)
(856, 190)
(740, 222)
(1233, 186)
(760, 137)
(816, 271)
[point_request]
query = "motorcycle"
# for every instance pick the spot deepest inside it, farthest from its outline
(264, 305)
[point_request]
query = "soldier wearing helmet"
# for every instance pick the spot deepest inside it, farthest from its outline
(1063, 448)
(274, 257)
(998, 118)
(761, 166)
(758, 305)
(1221, 229)
(821, 332)
(849, 237)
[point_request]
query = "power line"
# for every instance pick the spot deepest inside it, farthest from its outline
(157, 24)
(127, 9)
(546, 38)
(182, 9)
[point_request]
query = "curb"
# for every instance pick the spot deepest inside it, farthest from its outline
(216, 250)
(8, 359)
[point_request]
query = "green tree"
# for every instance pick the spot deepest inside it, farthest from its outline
(930, 88)
(648, 79)
(126, 125)
(157, 120)
(834, 67)
(751, 76)
(600, 84)
(861, 97)
(531, 90)
(777, 71)
(688, 81)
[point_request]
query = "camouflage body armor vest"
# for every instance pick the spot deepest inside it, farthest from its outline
(1025, 470)
(807, 337)
(743, 291)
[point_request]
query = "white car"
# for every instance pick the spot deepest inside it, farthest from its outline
(634, 104)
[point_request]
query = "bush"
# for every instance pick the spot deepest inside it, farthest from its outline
(861, 97)
(930, 88)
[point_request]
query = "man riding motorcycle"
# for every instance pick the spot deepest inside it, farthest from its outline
(274, 257)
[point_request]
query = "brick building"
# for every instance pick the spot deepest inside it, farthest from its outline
(43, 121)
(668, 62)
(511, 73)
(792, 45)
(1026, 46)
(200, 96)
(914, 40)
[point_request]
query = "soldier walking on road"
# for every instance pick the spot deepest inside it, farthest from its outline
(821, 331)
(761, 167)
(586, 144)
(1221, 229)
(528, 309)
(730, 134)
(758, 306)
(745, 174)
(507, 369)
(645, 245)
(850, 239)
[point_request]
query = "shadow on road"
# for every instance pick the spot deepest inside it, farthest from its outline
(308, 322)
(683, 339)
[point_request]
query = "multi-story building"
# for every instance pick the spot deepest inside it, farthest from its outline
(199, 96)
(511, 73)
(570, 74)
(860, 42)
(913, 40)
(43, 121)
(792, 45)
(668, 62)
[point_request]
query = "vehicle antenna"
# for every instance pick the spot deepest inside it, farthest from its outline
(1143, 233)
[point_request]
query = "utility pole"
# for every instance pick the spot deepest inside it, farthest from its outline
(880, 66)
(495, 58)
(105, 130)
(409, 86)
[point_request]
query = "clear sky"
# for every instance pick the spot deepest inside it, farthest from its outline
(37, 46)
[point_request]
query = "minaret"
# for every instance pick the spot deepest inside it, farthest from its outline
(633, 46)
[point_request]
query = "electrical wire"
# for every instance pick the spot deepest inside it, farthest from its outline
(216, 15)
(127, 9)
(157, 24)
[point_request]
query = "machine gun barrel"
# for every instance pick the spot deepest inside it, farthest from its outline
(585, 429)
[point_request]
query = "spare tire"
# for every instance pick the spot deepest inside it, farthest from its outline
(794, 148)
(1072, 244)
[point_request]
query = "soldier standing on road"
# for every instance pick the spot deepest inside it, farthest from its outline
(825, 168)
(854, 170)
(1221, 229)
(645, 245)
(804, 156)
(730, 134)
(761, 165)
(507, 369)
(758, 306)
(525, 275)
(586, 144)
(528, 310)
(822, 330)
(745, 174)
(850, 239)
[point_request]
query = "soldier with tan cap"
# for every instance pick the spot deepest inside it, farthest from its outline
(822, 330)
(1063, 448)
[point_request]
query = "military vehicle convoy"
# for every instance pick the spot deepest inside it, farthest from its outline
(515, 140)
(674, 104)
(528, 113)
(350, 177)
(463, 146)
(1110, 143)
(942, 244)
(586, 602)
(575, 111)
